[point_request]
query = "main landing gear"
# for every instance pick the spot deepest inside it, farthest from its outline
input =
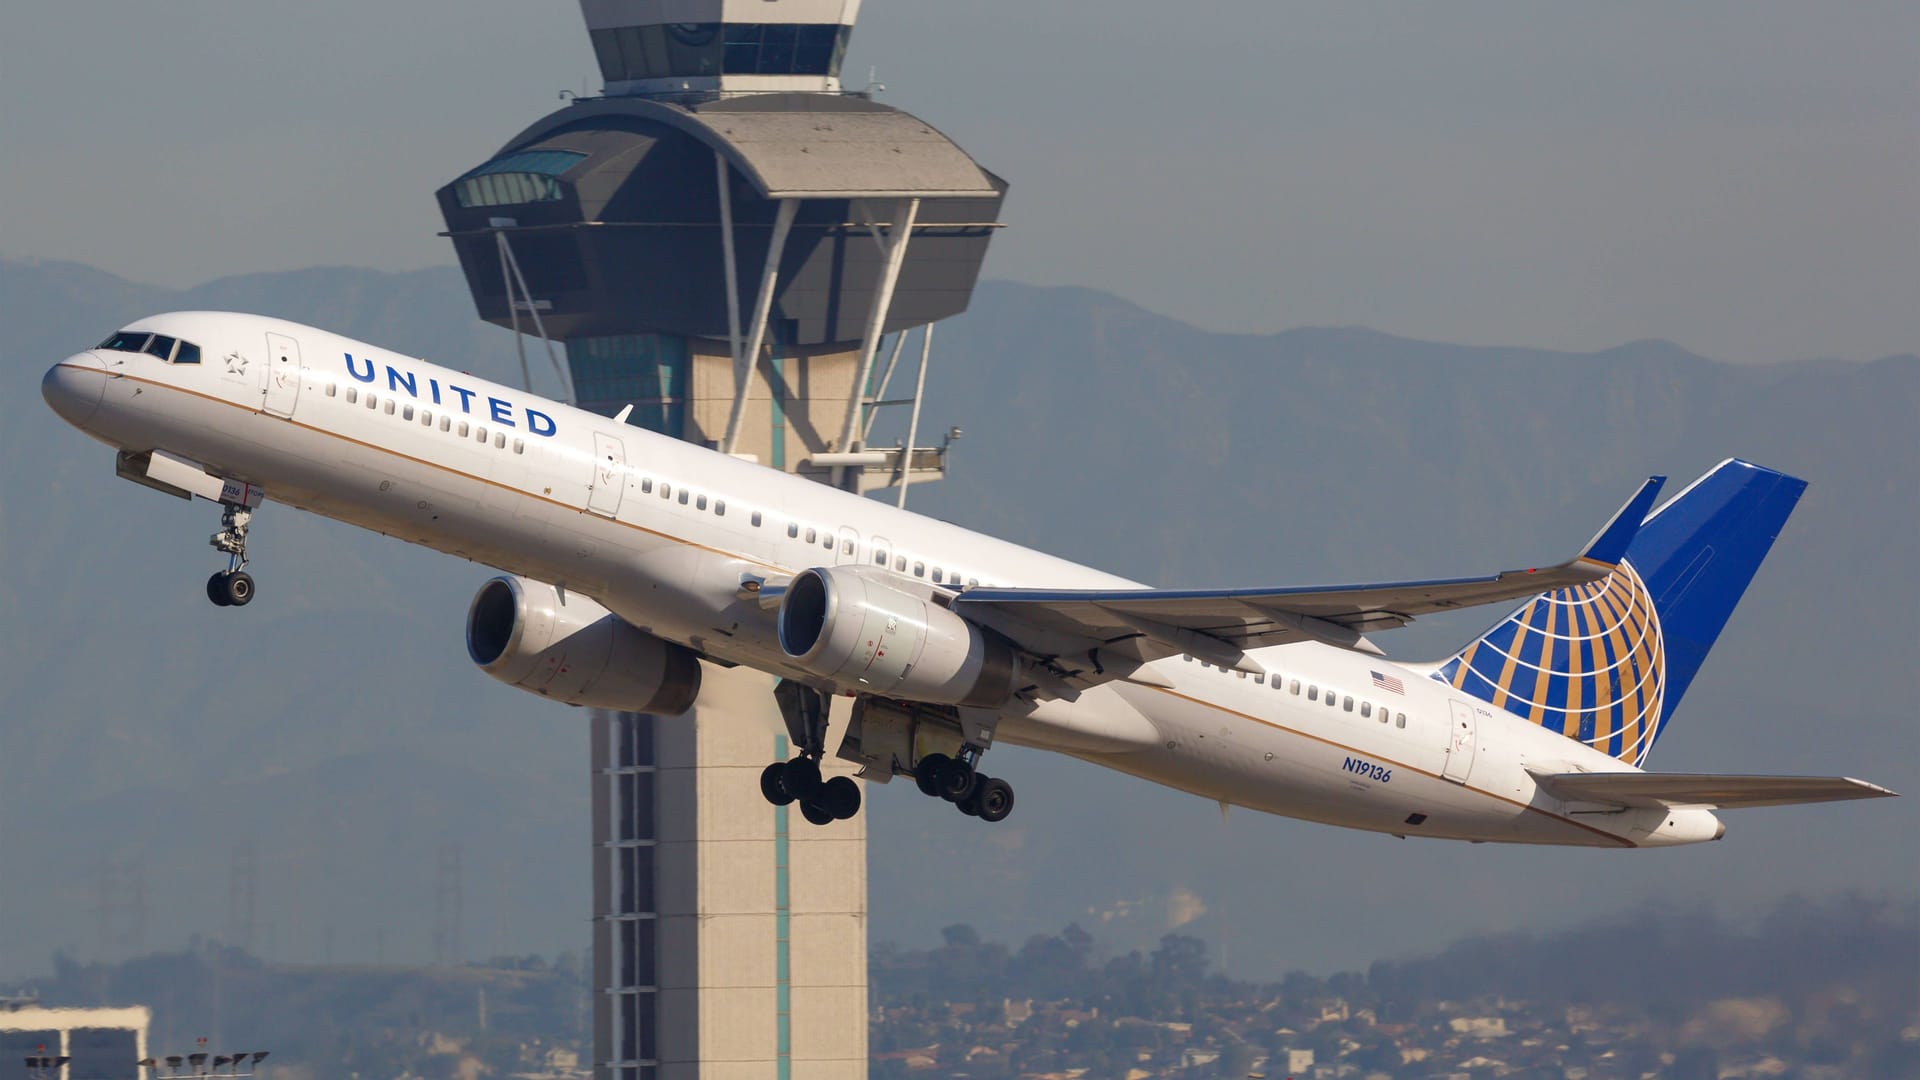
(232, 587)
(822, 801)
(960, 781)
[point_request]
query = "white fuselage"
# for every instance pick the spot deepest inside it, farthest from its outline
(665, 533)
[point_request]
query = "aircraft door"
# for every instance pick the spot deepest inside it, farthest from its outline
(282, 375)
(1461, 737)
(609, 475)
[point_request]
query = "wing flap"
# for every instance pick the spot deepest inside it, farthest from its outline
(1705, 790)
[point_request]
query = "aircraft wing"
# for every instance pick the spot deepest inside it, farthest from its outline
(1705, 790)
(1085, 631)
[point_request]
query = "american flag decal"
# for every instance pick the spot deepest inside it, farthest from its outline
(1388, 683)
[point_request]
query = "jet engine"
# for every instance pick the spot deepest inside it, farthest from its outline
(566, 647)
(865, 632)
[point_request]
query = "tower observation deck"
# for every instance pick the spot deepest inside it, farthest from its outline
(723, 212)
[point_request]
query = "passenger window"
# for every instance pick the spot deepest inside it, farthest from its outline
(683, 496)
(389, 409)
(666, 490)
(446, 422)
(755, 519)
(426, 417)
(353, 395)
(880, 557)
(1313, 693)
(480, 435)
(519, 446)
(373, 400)
(793, 529)
(846, 547)
(1346, 704)
(1238, 674)
(936, 575)
(699, 503)
(161, 346)
(332, 389)
(720, 507)
(1330, 700)
(1366, 709)
(406, 413)
(919, 569)
(188, 353)
(826, 541)
(812, 535)
(646, 485)
(1260, 679)
(1294, 688)
(900, 563)
(972, 582)
(1399, 719)
(463, 429)
(499, 440)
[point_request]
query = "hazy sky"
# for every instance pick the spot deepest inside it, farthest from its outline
(1743, 178)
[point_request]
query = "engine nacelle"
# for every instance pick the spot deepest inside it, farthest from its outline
(863, 632)
(566, 647)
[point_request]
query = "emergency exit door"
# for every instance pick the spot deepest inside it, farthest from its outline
(609, 475)
(1461, 739)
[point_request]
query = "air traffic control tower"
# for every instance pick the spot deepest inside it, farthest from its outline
(724, 242)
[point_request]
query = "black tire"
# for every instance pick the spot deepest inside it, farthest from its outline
(239, 588)
(802, 778)
(217, 590)
(841, 796)
(970, 805)
(994, 798)
(956, 781)
(815, 813)
(926, 775)
(773, 784)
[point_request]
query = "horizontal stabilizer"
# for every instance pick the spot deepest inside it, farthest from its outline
(1705, 790)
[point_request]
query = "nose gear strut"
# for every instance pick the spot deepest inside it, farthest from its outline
(232, 587)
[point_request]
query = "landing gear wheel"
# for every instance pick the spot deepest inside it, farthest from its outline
(773, 784)
(926, 775)
(994, 799)
(815, 813)
(239, 588)
(970, 805)
(840, 797)
(801, 776)
(217, 590)
(956, 780)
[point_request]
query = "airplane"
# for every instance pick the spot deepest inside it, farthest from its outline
(631, 558)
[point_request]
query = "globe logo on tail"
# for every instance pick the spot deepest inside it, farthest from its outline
(1588, 662)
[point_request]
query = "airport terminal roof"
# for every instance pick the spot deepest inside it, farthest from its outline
(803, 146)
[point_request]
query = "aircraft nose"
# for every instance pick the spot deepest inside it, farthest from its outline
(73, 387)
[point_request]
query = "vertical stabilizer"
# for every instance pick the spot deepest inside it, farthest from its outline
(1607, 662)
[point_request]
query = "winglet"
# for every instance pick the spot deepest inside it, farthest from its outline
(1609, 545)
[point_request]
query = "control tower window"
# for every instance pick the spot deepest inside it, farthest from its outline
(527, 177)
(679, 50)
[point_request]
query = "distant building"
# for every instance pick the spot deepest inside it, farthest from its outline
(99, 1044)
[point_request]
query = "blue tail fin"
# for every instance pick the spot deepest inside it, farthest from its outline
(1607, 662)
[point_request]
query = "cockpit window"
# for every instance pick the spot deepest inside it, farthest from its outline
(127, 341)
(159, 345)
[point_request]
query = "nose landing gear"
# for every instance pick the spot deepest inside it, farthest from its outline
(232, 587)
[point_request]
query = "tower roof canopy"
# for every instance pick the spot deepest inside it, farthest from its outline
(805, 146)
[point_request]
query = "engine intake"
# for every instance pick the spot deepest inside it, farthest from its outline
(862, 631)
(566, 647)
